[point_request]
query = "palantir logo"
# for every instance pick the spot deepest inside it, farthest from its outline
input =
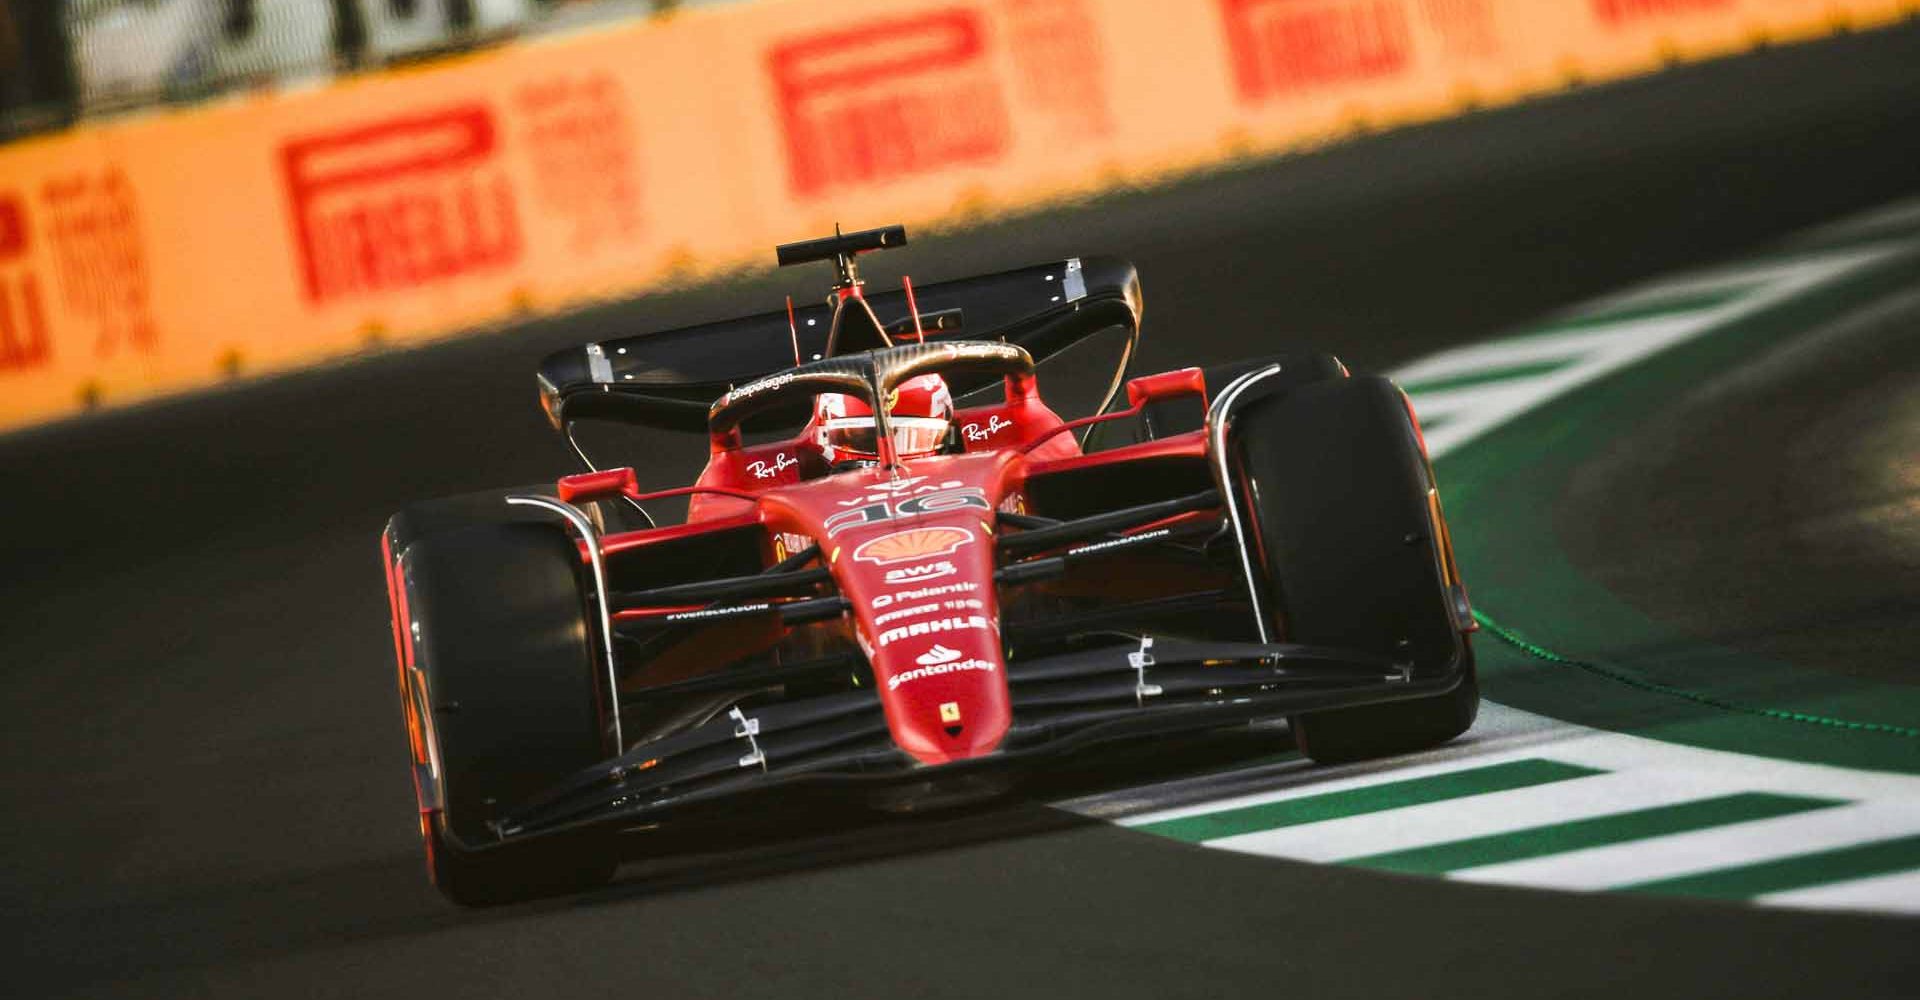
(888, 99)
(1283, 46)
(400, 203)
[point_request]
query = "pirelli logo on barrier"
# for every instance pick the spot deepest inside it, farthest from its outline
(1623, 13)
(889, 98)
(24, 343)
(540, 175)
(401, 203)
(901, 97)
(1281, 47)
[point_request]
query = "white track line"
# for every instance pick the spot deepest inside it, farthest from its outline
(1707, 850)
(1475, 816)
(1898, 893)
(1643, 772)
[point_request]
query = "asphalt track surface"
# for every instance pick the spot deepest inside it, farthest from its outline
(1815, 559)
(203, 764)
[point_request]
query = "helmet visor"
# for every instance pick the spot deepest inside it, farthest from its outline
(911, 435)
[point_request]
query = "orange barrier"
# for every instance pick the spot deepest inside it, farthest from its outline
(271, 231)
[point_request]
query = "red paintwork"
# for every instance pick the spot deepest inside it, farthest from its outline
(1015, 423)
(913, 309)
(613, 545)
(642, 614)
(403, 654)
(1166, 385)
(910, 543)
(913, 550)
(608, 485)
(1192, 444)
(914, 555)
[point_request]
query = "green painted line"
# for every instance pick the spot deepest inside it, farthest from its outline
(1502, 493)
(1842, 864)
(1371, 799)
(1653, 308)
(1483, 376)
(1600, 831)
(1538, 652)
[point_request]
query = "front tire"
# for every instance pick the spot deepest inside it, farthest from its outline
(504, 667)
(1356, 556)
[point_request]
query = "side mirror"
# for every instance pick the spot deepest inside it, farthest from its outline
(1167, 385)
(610, 484)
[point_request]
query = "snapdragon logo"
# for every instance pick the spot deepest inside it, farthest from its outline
(756, 388)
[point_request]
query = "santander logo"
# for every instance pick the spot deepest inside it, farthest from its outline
(937, 655)
(946, 665)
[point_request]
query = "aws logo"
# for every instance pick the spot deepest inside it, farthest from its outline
(927, 571)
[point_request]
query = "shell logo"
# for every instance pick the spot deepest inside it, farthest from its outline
(914, 543)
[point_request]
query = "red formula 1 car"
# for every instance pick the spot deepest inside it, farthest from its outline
(936, 585)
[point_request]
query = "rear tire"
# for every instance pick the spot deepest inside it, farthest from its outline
(1356, 556)
(499, 629)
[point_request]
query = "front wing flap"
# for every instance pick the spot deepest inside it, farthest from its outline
(1064, 702)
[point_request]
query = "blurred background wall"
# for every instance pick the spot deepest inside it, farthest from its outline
(192, 190)
(60, 59)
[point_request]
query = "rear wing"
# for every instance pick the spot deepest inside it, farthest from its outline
(670, 378)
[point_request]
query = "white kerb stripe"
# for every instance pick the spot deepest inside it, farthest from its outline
(1898, 893)
(1475, 816)
(1708, 850)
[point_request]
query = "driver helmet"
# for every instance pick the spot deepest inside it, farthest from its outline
(920, 411)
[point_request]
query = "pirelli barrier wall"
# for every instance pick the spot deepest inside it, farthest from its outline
(180, 249)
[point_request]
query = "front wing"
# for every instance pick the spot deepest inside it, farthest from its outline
(1065, 703)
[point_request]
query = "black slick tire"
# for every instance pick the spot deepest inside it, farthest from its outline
(1355, 555)
(503, 642)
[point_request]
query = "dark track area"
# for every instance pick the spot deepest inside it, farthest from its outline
(1790, 489)
(204, 766)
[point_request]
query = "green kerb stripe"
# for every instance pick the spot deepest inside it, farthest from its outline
(1672, 305)
(1600, 831)
(1485, 375)
(1371, 799)
(1842, 864)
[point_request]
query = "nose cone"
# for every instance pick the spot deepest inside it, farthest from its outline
(949, 703)
(924, 607)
